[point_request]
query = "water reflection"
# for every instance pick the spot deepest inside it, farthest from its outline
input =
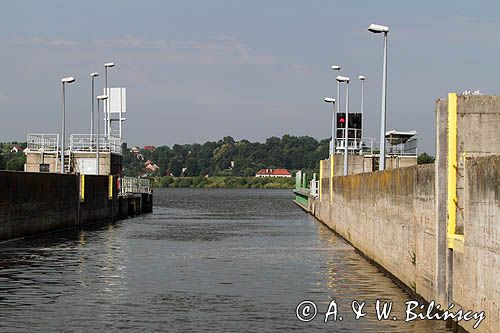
(217, 260)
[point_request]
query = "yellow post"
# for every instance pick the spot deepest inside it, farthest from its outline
(331, 178)
(82, 188)
(110, 187)
(320, 177)
(452, 168)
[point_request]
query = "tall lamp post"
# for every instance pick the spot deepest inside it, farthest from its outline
(346, 80)
(92, 122)
(362, 78)
(375, 28)
(99, 98)
(65, 80)
(107, 116)
(337, 106)
(332, 100)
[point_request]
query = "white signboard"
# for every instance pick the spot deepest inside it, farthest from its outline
(118, 100)
(87, 166)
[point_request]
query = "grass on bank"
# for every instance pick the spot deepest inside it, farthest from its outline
(224, 182)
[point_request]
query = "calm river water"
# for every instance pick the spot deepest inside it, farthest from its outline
(205, 260)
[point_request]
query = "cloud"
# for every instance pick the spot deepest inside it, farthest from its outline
(43, 41)
(215, 50)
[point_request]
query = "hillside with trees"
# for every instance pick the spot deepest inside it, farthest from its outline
(228, 157)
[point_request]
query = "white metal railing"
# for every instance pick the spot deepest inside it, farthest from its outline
(409, 148)
(134, 185)
(48, 143)
(314, 185)
(88, 143)
(352, 144)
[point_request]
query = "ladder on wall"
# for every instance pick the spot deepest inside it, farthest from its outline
(67, 162)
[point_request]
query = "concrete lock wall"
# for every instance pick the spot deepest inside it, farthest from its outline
(436, 228)
(33, 203)
(389, 216)
(476, 270)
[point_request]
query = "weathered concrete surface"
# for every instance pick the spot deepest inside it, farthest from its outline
(476, 269)
(33, 203)
(109, 164)
(389, 216)
(365, 163)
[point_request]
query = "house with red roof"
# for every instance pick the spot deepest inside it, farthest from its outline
(276, 173)
(149, 148)
(16, 149)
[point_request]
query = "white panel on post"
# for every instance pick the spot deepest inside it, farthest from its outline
(118, 100)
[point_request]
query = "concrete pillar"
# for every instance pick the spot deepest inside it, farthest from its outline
(441, 202)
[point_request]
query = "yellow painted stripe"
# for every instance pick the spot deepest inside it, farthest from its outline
(331, 178)
(452, 167)
(82, 187)
(110, 187)
(320, 177)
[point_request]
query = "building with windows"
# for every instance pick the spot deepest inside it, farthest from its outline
(276, 173)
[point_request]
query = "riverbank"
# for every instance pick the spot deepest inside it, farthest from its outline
(224, 182)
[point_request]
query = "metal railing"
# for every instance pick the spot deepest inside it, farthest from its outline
(352, 144)
(314, 188)
(132, 185)
(409, 148)
(47, 143)
(88, 143)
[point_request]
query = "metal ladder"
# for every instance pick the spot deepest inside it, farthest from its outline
(67, 162)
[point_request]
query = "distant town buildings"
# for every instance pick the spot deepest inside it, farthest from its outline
(276, 173)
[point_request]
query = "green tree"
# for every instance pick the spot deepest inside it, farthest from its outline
(175, 166)
(16, 163)
(424, 158)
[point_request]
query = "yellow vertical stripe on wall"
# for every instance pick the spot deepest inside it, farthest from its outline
(331, 178)
(110, 187)
(320, 178)
(82, 187)
(452, 167)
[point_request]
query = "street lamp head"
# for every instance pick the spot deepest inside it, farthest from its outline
(102, 97)
(375, 28)
(362, 77)
(109, 64)
(329, 100)
(94, 74)
(68, 79)
(335, 67)
(343, 79)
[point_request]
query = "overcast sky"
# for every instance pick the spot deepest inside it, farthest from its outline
(201, 70)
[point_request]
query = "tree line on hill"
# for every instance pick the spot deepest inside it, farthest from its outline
(224, 158)
(228, 157)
